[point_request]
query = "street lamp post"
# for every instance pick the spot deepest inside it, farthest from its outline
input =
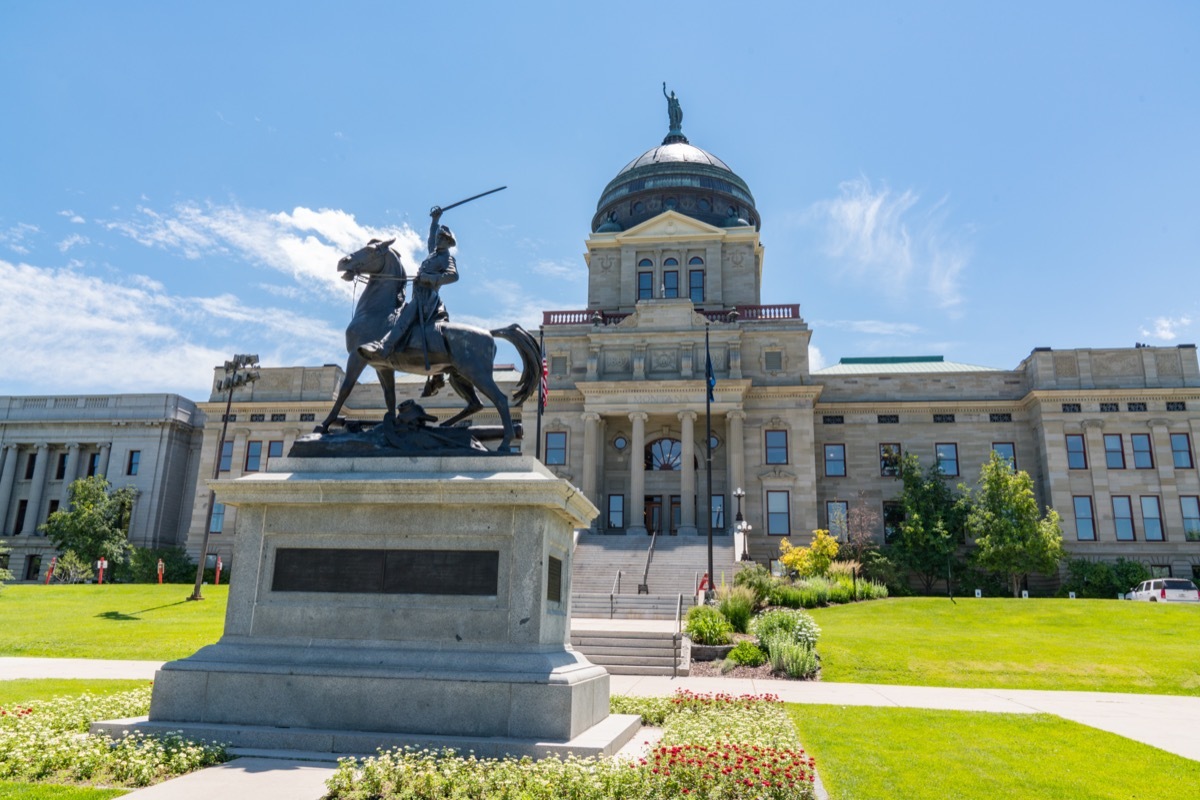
(242, 370)
(741, 526)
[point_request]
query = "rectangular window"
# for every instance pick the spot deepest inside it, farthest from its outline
(556, 448)
(1123, 519)
(773, 360)
(279, 418)
(54, 504)
(274, 450)
(1181, 450)
(696, 285)
(308, 417)
(1135, 406)
(835, 460)
(1076, 452)
(778, 514)
(671, 283)
(1114, 451)
(718, 512)
(889, 460)
(1085, 522)
(93, 464)
(1109, 408)
(19, 522)
(30, 465)
(1160, 570)
(60, 471)
(645, 285)
(837, 515)
(253, 456)
(258, 417)
(135, 459)
(943, 418)
(1003, 416)
(1007, 451)
(1143, 456)
(1072, 408)
(1152, 525)
(33, 567)
(833, 419)
(1176, 405)
(893, 515)
(777, 447)
(226, 456)
(947, 458)
(887, 419)
(218, 518)
(1191, 518)
(616, 511)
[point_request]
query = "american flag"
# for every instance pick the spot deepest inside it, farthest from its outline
(545, 388)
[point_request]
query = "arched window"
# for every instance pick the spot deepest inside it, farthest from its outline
(671, 262)
(696, 261)
(670, 281)
(664, 455)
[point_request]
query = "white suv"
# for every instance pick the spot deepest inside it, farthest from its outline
(1166, 590)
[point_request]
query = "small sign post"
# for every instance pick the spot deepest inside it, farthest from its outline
(978, 593)
(1024, 594)
(50, 571)
(102, 565)
(217, 577)
(161, 568)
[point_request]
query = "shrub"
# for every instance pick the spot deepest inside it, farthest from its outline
(843, 569)
(757, 578)
(786, 595)
(879, 567)
(1102, 579)
(812, 560)
(791, 657)
(707, 625)
(795, 626)
(70, 568)
(736, 604)
(746, 654)
(142, 566)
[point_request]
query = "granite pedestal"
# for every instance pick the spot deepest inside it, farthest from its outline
(388, 601)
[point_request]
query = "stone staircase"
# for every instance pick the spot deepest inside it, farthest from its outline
(626, 652)
(675, 567)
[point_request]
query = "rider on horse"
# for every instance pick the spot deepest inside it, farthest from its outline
(426, 306)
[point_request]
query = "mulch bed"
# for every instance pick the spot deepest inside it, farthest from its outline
(712, 669)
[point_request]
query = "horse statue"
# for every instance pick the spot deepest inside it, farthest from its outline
(463, 353)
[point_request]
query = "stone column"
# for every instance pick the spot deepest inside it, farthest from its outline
(735, 440)
(9, 474)
(687, 476)
(591, 425)
(37, 490)
(69, 473)
(105, 452)
(637, 475)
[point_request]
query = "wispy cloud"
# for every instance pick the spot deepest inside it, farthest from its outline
(1167, 329)
(871, 326)
(886, 238)
(559, 270)
(15, 238)
(72, 217)
(73, 240)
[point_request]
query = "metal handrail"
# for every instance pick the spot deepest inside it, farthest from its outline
(678, 636)
(612, 596)
(617, 583)
(645, 584)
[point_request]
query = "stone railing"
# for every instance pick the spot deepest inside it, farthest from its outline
(735, 314)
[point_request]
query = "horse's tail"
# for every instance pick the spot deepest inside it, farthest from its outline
(531, 360)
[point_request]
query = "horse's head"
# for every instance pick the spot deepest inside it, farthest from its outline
(370, 260)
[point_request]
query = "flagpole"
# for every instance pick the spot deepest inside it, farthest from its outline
(541, 392)
(709, 383)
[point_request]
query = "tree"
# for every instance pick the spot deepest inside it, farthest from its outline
(5, 575)
(862, 522)
(70, 568)
(1011, 537)
(929, 535)
(96, 523)
(812, 560)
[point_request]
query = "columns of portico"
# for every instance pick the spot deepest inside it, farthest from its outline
(637, 474)
(591, 435)
(69, 473)
(7, 477)
(735, 440)
(687, 478)
(105, 452)
(37, 490)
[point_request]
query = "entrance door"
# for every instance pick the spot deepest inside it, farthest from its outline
(654, 513)
(676, 514)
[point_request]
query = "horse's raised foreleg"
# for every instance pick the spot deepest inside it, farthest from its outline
(355, 364)
(387, 379)
(466, 391)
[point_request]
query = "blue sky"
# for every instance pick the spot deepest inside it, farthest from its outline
(177, 180)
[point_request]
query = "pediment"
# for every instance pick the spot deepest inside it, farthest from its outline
(671, 224)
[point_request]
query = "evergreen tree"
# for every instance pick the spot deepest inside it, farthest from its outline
(928, 537)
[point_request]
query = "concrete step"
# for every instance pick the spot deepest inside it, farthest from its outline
(633, 652)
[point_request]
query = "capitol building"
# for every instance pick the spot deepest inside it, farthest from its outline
(674, 260)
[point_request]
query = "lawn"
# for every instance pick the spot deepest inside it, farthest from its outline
(27, 690)
(132, 621)
(1085, 645)
(866, 753)
(48, 791)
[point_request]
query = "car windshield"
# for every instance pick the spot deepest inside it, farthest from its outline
(1179, 583)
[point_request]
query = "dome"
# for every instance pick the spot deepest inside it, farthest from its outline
(675, 175)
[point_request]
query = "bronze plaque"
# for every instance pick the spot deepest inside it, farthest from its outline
(356, 571)
(554, 580)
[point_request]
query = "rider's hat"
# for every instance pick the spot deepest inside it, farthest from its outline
(445, 234)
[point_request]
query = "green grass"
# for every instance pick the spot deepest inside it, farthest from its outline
(136, 621)
(49, 791)
(27, 690)
(1084, 645)
(868, 753)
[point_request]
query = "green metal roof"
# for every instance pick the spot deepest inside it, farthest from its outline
(898, 365)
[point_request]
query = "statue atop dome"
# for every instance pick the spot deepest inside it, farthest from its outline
(675, 117)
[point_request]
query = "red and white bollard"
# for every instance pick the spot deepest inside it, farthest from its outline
(217, 577)
(161, 567)
(50, 571)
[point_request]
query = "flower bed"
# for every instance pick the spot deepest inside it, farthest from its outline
(713, 746)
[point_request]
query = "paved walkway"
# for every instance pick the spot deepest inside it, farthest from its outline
(1167, 722)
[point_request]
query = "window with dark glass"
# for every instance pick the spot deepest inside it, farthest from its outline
(1002, 416)
(33, 567)
(258, 417)
(218, 518)
(645, 285)
(835, 460)
(777, 447)
(664, 455)
(696, 284)
(131, 466)
(1085, 522)
(556, 448)
(889, 459)
(887, 419)
(1152, 526)
(1114, 451)
(1072, 408)
(1123, 518)
(893, 515)
(30, 465)
(1143, 457)
(19, 522)
(837, 515)
(671, 282)
(226, 457)
(1181, 450)
(1176, 405)
(54, 504)
(947, 458)
(279, 417)
(717, 509)
(773, 360)
(93, 466)
(1191, 518)
(274, 450)
(60, 471)
(1135, 406)
(1007, 451)
(778, 514)
(1076, 452)
(253, 456)
(308, 417)
(1109, 408)
(616, 511)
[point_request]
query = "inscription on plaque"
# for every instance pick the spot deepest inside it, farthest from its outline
(355, 571)
(554, 580)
